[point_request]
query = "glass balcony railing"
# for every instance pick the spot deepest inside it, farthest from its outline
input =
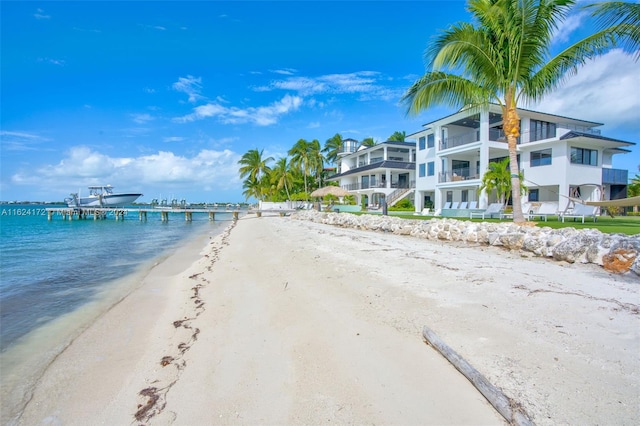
(615, 176)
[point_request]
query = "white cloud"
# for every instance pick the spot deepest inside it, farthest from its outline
(173, 139)
(141, 118)
(262, 116)
(189, 85)
(40, 14)
(164, 169)
(366, 84)
(20, 141)
(605, 90)
(59, 62)
(566, 28)
(284, 71)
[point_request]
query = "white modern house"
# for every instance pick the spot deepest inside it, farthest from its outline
(386, 171)
(561, 158)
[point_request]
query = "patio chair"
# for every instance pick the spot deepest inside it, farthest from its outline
(493, 208)
(580, 211)
(446, 206)
(473, 204)
(545, 210)
(526, 208)
(454, 205)
(463, 205)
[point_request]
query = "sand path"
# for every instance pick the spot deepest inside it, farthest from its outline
(289, 322)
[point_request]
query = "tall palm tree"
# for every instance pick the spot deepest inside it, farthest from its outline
(503, 58)
(333, 147)
(282, 175)
(301, 159)
(620, 18)
(317, 160)
(398, 136)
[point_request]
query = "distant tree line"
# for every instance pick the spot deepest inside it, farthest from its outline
(298, 174)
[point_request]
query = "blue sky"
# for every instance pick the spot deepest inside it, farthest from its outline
(164, 97)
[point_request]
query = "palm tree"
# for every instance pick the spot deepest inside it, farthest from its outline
(398, 136)
(368, 142)
(255, 169)
(620, 18)
(503, 58)
(300, 159)
(252, 188)
(253, 165)
(317, 160)
(333, 147)
(282, 175)
(498, 178)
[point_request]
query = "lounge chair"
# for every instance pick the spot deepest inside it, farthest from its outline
(545, 210)
(493, 208)
(526, 208)
(582, 211)
(454, 205)
(473, 204)
(446, 206)
(463, 205)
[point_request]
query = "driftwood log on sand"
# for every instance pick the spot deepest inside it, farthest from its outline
(508, 408)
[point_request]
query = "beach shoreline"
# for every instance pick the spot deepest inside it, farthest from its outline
(284, 321)
(24, 363)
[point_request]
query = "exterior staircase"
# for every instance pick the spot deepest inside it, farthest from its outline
(397, 195)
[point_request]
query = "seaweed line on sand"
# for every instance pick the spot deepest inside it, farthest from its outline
(154, 398)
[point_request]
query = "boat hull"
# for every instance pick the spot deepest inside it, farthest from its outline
(110, 200)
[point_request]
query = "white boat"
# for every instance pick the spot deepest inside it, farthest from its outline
(101, 196)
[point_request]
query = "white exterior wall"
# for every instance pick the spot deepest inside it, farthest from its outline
(552, 181)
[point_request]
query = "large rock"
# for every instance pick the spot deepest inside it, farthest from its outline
(617, 253)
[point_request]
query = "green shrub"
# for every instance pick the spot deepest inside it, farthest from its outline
(402, 206)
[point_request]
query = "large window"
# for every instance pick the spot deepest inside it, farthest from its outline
(534, 195)
(584, 156)
(430, 140)
(421, 142)
(422, 170)
(541, 130)
(430, 168)
(541, 158)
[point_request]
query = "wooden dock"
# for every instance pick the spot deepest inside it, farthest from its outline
(100, 213)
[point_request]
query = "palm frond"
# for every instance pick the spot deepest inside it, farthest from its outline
(439, 88)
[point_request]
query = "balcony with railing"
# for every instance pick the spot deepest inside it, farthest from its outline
(615, 176)
(495, 134)
(456, 175)
(376, 183)
(581, 129)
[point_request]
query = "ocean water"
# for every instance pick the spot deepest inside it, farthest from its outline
(58, 276)
(49, 269)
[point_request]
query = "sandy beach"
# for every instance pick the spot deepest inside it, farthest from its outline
(278, 321)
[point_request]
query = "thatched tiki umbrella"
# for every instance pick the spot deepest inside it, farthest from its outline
(330, 190)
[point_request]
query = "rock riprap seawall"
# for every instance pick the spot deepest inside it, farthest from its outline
(617, 253)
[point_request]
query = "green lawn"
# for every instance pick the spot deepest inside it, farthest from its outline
(629, 225)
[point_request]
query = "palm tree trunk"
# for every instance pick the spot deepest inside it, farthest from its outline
(512, 131)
